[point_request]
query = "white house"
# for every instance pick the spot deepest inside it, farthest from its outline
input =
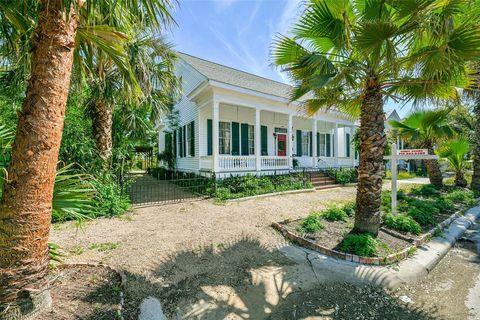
(234, 122)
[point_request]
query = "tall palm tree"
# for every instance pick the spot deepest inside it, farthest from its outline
(353, 55)
(52, 29)
(455, 151)
(425, 129)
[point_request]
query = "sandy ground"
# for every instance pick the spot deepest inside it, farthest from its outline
(204, 260)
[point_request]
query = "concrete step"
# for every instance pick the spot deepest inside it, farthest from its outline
(321, 179)
(324, 183)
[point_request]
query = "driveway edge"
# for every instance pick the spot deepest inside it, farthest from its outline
(393, 276)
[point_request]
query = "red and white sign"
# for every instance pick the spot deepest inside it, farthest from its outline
(413, 152)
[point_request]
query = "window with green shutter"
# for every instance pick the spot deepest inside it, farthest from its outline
(299, 143)
(347, 144)
(244, 139)
(235, 138)
(263, 139)
(184, 141)
(209, 137)
(191, 129)
(328, 143)
(310, 142)
(318, 144)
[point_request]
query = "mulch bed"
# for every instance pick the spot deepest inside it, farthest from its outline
(84, 292)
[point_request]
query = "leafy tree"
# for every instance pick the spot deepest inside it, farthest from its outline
(43, 36)
(353, 55)
(425, 129)
(455, 151)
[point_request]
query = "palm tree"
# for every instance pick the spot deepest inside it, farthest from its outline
(26, 204)
(353, 55)
(455, 151)
(425, 129)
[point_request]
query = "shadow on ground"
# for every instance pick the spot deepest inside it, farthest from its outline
(244, 280)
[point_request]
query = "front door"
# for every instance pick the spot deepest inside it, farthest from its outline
(281, 145)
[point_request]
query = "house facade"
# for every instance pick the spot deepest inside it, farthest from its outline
(233, 122)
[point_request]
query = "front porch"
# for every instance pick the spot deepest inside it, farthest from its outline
(257, 139)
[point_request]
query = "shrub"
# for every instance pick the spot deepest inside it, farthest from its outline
(110, 200)
(400, 175)
(350, 208)
(426, 190)
(461, 196)
(343, 175)
(422, 217)
(334, 214)
(402, 222)
(427, 206)
(311, 224)
(360, 244)
(444, 205)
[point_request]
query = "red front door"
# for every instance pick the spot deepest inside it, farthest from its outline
(281, 145)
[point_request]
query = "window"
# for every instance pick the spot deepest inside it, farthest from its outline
(347, 144)
(305, 143)
(224, 137)
(323, 145)
(251, 139)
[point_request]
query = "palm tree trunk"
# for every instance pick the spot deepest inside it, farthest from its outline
(433, 169)
(25, 210)
(460, 180)
(370, 171)
(102, 130)
(476, 146)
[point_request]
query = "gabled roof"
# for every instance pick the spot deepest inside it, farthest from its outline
(242, 79)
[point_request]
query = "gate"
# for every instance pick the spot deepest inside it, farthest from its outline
(163, 187)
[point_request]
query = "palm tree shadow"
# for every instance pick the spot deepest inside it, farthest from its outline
(243, 279)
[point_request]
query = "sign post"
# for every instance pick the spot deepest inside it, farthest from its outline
(407, 154)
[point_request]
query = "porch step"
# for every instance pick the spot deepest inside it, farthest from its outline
(330, 186)
(323, 183)
(321, 179)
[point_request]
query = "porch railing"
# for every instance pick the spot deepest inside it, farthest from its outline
(233, 163)
(274, 162)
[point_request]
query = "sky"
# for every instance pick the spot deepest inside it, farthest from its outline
(237, 33)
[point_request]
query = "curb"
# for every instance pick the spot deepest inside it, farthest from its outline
(266, 195)
(410, 270)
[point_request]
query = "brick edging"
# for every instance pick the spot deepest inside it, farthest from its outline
(123, 281)
(390, 259)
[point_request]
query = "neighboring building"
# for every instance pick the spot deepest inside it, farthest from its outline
(392, 114)
(236, 122)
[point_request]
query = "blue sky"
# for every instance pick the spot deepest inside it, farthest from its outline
(236, 33)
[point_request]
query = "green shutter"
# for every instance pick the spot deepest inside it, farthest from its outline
(328, 144)
(175, 143)
(209, 137)
(184, 141)
(347, 143)
(311, 143)
(180, 142)
(318, 144)
(235, 139)
(192, 138)
(299, 143)
(263, 135)
(244, 139)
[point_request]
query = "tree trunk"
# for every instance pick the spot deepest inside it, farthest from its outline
(476, 146)
(433, 169)
(370, 171)
(102, 130)
(25, 210)
(460, 180)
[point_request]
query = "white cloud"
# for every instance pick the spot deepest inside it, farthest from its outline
(222, 4)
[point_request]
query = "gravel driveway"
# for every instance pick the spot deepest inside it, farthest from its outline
(221, 261)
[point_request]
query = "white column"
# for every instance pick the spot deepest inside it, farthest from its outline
(352, 146)
(289, 141)
(335, 143)
(215, 142)
(314, 142)
(258, 146)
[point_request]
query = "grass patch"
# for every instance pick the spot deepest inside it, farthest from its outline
(362, 245)
(311, 224)
(402, 222)
(334, 214)
(104, 246)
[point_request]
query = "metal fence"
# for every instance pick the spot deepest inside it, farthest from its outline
(167, 187)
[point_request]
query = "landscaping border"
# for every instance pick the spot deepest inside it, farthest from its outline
(390, 259)
(123, 281)
(271, 194)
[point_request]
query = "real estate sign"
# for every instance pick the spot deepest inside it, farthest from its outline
(406, 154)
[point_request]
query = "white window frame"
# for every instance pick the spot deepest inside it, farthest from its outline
(251, 139)
(188, 139)
(305, 143)
(323, 148)
(221, 137)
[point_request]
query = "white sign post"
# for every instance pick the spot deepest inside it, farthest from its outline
(407, 154)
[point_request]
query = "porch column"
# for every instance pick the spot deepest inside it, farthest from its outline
(352, 145)
(314, 142)
(215, 141)
(258, 146)
(289, 140)
(335, 144)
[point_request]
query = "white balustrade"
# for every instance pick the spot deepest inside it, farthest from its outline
(234, 163)
(273, 162)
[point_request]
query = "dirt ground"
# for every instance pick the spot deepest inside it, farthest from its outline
(221, 261)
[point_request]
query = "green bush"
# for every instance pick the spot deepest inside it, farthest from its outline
(311, 224)
(350, 208)
(426, 190)
(110, 200)
(461, 196)
(427, 206)
(424, 218)
(402, 222)
(334, 214)
(343, 175)
(444, 205)
(360, 244)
